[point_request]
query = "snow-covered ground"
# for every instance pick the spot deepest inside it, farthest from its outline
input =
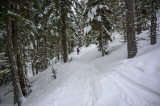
(92, 80)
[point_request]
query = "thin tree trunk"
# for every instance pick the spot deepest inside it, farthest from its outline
(131, 40)
(63, 31)
(33, 68)
(58, 57)
(153, 22)
(80, 37)
(58, 51)
(101, 40)
(45, 59)
(25, 69)
(21, 76)
(37, 67)
(12, 59)
(35, 59)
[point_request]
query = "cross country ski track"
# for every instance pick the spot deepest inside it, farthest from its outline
(88, 80)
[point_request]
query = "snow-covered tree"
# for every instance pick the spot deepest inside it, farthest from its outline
(97, 12)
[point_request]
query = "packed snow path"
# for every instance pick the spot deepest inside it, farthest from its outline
(92, 80)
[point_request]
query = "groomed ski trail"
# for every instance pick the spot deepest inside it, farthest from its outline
(85, 81)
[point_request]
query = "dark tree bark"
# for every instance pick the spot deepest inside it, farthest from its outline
(46, 50)
(58, 50)
(63, 31)
(33, 71)
(153, 22)
(101, 39)
(22, 77)
(24, 84)
(12, 60)
(131, 40)
(58, 55)
(37, 67)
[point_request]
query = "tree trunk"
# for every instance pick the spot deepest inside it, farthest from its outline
(22, 77)
(153, 22)
(131, 40)
(33, 69)
(63, 31)
(45, 53)
(69, 47)
(101, 40)
(80, 36)
(37, 67)
(58, 50)
(17, 50)
(12, 59)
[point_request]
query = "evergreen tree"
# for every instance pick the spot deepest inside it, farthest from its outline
(97, 17)
(65, 18)
(80, 23)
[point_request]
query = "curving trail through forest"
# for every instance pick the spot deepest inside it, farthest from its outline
(92, 80)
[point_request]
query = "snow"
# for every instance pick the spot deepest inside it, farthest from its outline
(92, 80)
(99, 18)
(90, 16)
(105, 6)
(93, 10)
(85, 1)
(87, 29)
(92, 13)
(40, 15)
(6, 99)
(68, 15)
(12, 13)
(39, 26)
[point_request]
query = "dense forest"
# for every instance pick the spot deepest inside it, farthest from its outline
(32, 32)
